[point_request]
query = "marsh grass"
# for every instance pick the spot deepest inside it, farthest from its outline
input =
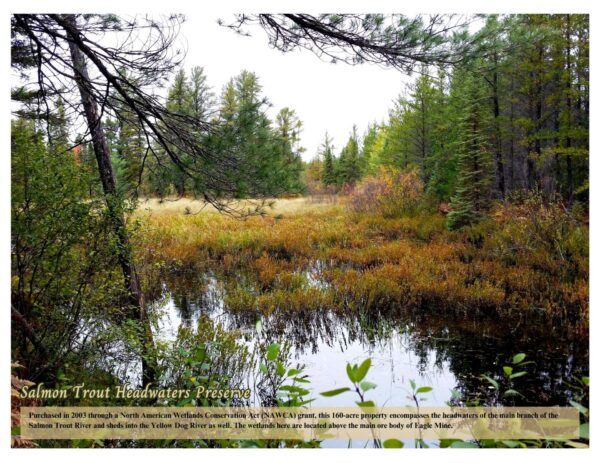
(368, 261)
(191, 206)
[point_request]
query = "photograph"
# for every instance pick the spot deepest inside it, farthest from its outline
(298, 230)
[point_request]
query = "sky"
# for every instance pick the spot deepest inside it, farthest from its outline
(326, 97)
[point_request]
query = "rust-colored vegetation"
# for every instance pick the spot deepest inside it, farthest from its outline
(530, 255)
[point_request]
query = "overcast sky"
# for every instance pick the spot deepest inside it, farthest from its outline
(325, 96)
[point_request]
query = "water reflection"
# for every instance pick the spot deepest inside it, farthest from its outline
(439, 348)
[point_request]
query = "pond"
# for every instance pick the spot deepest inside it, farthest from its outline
(444, 348)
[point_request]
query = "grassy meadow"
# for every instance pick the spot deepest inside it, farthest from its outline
(304, 255)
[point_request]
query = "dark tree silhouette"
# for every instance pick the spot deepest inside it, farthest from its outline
(397, 41)
(127, 60)
(103, 65)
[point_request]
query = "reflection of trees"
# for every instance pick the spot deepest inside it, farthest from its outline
(467, 345)
(192, 292)
(475, 346)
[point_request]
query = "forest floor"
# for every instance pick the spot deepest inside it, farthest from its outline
(307, 255)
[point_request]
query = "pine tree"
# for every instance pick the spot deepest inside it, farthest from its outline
(396, 143)
(367, 149)
(128, 158)
(228, 104)
(288, 129)
(256, 143)
(58, 128)
(422, 106)
(178, 99)
(328, 173)
(201, 99)
(446, 129)
(200, 104)
(570, 129)
(349, 163)
(474, 161)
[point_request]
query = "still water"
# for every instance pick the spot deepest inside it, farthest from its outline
(445, 348)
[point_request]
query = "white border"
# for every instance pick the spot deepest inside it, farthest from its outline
(224, 7)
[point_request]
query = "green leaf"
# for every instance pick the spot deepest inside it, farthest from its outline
(584, 431)
(424, 389)
(272, 352)
(464, 445)
(362, 371)
(586, 380)
(578, 406)
(493, 382)
(413, 385)
(295, 390)
(518, 358)
(528, 362)
(305, 402)
(335, 392)
(366, 385)
(518, 374)
(366, 403)
(249, 444)
(350, 372)
(293, 372)
(393, 444)
(507, 370)
(302, 380)
(577, 445)
(511, 443)
(263, 368)
(259, 326)
(280, 369)
(512, 393)
(445, 443)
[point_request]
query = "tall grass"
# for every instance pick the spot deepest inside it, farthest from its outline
(515, 260)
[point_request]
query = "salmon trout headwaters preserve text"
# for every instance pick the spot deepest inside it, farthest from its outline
(124, 392)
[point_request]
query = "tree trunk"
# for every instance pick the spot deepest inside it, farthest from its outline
(423, 141)
(114, 205)
(511, 153)
(557, 143)
(570, 182)
(538, 108)
(497, 144)
(530, 163)
(534, 145)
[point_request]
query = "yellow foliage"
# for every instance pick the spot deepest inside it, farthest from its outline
(368, 261)
(390, 193)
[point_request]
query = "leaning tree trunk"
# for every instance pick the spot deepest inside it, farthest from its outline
(114, 204)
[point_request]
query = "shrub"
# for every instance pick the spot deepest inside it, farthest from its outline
(390, 193)
(540, 233)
